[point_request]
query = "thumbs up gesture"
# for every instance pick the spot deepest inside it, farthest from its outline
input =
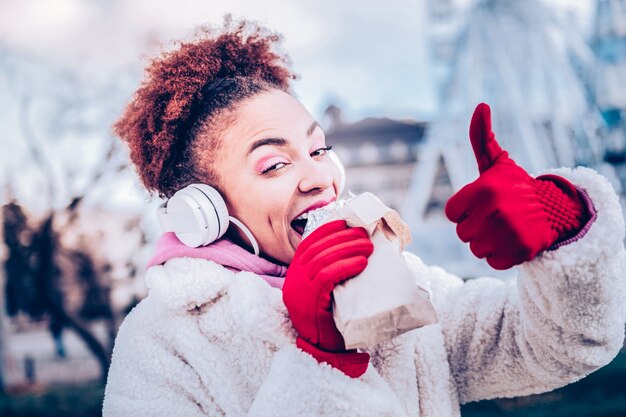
(507, 216)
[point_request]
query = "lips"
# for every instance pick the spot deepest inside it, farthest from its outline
(299, 222)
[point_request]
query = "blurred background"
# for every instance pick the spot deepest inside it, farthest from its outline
(393, 83)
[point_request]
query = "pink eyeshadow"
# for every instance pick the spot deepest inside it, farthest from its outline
(263, 163)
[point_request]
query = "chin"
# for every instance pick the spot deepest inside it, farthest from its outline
(280, 252)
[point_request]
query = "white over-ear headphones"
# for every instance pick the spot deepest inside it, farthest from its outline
(198, 216)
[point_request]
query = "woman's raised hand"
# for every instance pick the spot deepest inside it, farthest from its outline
(506, 215)
(332, 254)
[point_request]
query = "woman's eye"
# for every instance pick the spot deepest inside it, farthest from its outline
(321, 151)
(274, 167)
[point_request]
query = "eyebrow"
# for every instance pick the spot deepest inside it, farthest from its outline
(267, 141)
(280, 141)
(311, 128)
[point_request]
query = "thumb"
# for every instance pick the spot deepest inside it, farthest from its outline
(486, 148)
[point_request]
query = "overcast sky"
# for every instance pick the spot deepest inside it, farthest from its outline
(370, 56)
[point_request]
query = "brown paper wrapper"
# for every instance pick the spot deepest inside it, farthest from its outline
(383, 301)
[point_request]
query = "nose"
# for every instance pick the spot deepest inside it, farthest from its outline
(315, 175)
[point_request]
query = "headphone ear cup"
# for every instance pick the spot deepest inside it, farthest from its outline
(342, 170)
(213, 206)
(197, 214)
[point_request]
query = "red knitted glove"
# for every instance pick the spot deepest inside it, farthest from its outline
(332, 254)
(506, 215)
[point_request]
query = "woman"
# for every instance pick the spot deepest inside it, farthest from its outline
(226, 332)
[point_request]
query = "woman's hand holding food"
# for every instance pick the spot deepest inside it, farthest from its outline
(332, 254)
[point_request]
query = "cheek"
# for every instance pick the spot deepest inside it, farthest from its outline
(263, 210)
(338, 174)
(261, 206)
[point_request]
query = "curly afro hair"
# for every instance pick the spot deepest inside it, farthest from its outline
(188, 92)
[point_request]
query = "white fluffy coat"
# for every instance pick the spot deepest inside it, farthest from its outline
(207, 341)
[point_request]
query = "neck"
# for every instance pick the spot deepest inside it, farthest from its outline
(238, 238)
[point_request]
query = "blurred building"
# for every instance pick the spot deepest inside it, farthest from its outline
(379, 154)
(609, 45)
(533, 67)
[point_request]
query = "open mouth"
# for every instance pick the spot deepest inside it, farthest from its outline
(298, 224)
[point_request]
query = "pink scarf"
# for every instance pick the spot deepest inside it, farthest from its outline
(223, 252)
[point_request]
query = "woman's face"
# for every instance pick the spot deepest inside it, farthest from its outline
(273, 166)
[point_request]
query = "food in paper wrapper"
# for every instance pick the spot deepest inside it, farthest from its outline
(383, 301)
(319, 216)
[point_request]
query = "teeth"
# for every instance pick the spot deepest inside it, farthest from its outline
(303, 216)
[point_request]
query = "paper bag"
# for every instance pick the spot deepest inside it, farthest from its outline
(383, 301)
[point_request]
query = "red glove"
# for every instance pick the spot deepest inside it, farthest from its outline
(506, 215)
(332, 254)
